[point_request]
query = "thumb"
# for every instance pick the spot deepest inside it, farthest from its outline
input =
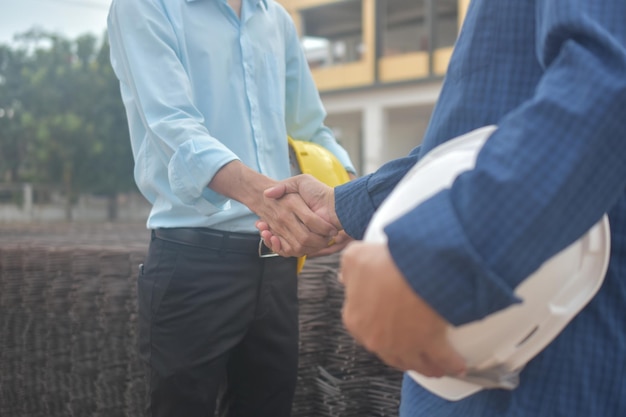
(447, 359)
(276, 191)
(281, 189)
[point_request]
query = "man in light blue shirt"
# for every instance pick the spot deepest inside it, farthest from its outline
(212, 89)
(551, 74)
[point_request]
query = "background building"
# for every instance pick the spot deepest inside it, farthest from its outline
(378, 65)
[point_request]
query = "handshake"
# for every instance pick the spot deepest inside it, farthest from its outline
(381, 311)
(310, 226)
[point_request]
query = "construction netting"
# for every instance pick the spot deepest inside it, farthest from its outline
(68, 332)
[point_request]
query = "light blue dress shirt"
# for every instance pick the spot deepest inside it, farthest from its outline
(552, 75)
(202, 88)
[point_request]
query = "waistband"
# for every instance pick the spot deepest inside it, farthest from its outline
(245, 243)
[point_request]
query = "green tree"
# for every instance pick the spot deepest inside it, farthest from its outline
(12, 147)
(68, 126)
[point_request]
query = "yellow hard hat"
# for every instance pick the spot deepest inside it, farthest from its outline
(313, 159)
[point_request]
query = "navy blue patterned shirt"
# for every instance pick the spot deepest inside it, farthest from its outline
(552, 75)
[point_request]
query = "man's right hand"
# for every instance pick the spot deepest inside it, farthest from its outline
(318, 196)
(289, 216)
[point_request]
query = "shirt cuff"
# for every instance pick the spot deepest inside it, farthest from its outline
(190, 171)
(353, 206)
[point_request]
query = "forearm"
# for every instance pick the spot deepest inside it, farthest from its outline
(239, 182)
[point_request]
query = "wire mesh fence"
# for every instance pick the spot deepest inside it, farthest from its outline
(68, 330)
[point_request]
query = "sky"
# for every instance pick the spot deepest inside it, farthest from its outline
(69, 18)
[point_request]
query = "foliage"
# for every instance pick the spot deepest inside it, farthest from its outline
(62, 121)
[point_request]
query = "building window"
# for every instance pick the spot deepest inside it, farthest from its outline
(406, 25)
(446, 23)
(333, 33)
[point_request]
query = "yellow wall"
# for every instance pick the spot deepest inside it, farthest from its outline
(410, 66)
(353, 74)
(403, 67)
(463, 5)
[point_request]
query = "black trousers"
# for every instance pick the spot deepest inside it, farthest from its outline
(212, 320)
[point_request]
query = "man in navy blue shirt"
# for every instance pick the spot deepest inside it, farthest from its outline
(551, 74)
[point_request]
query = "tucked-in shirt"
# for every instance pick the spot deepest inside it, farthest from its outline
(203, 88)
(551, 74)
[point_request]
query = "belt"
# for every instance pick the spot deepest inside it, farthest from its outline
(246, 243)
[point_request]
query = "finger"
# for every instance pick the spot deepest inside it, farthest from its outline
(275, 242)
(394, 361)
(425, 366)
(294, 222)
(298, 242)
(267, 235)
(312, 221)
(315, 224)
(286, 243)
(287, 186)
(281, 246)
(419, 362)
(443, 359)
(276, 191)
(302, 242)
(336, 244)
(261, 225)
(291, 233)
(287, 248)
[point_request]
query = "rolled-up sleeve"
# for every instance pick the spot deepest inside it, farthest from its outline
(145, 60)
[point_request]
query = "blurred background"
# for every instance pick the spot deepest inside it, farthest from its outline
(72, 224)
(64, 146)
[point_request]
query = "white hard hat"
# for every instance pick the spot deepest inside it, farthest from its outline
(497, 347)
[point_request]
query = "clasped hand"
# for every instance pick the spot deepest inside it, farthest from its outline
(381, 311)
(320, 199)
